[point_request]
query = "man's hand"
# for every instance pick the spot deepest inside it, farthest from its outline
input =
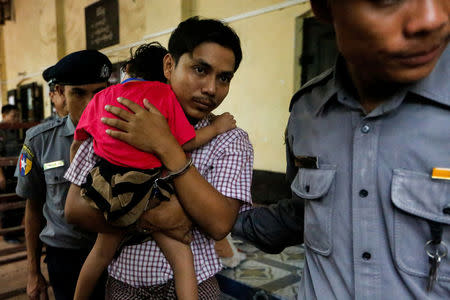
(139, 127)
(272, 228)
(169, 218)
(37, 287)
(147, 130)
(224, 122)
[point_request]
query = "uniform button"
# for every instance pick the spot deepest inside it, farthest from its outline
(363, 193)
(446, 210)
(366, 256)
(365, 128)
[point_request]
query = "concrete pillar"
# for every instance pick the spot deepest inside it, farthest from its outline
(3, 88)
(188, 9)
(60, 29)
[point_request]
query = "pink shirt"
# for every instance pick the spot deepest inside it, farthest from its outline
(118, 152)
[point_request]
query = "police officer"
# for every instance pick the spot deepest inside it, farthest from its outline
(368, 157)
(42, 163)
(10, 146)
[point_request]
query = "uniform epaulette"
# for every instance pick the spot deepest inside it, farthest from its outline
(326, 75)
(38, 129)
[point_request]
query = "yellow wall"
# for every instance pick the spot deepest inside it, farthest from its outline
(261, 91)
(223, 9)
(2, 66)
(46, 30)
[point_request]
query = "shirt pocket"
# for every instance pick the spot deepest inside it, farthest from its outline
(57, 188)
(316, 188)
(418, 199)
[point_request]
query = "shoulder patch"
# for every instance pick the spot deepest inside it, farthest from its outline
(25, 163)
(319, 79)
(38, 129)
(27, 150)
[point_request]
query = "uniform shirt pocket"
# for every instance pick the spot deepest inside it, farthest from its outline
(316, 188)
(418, 199)
(57, 187)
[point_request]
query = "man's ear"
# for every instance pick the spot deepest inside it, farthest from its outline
(168, 66)
(51, 94)
(322, 10)
(63, 100)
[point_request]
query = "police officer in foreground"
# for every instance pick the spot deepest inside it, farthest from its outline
(42, 163)
(368, 155)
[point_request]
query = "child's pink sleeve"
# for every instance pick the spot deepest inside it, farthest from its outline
(80, 134)
(87, 119)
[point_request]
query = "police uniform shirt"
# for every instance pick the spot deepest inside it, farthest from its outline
(369, 199)
(51, 118)
(42, 163)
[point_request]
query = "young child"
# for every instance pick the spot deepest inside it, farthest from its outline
(122, 184)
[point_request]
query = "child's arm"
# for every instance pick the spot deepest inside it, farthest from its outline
(98, 259)
(219, 125)
(74, 148)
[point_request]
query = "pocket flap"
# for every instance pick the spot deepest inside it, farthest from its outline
(418, 194)
(313, 183)
(55, 176)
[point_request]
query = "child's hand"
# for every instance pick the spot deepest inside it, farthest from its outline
(224, 122)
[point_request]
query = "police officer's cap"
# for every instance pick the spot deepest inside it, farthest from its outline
(81, 67)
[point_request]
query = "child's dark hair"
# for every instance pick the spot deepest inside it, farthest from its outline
(9, 107)
(193, 31)
(147, 62)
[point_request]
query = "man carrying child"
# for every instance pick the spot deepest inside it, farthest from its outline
(203, 56)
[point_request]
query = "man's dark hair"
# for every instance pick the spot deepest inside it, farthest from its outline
(9, 107)
(194, 31)
(147, 62)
